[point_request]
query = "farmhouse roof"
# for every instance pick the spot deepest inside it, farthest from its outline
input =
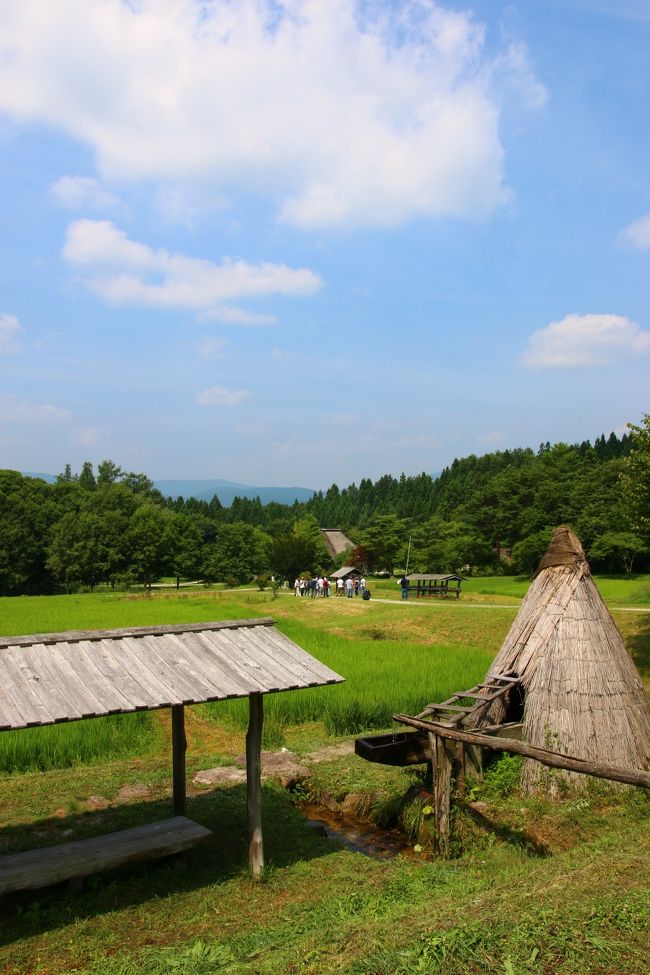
(53, 677)
(335, 541)
(581, 692)
(344, 571)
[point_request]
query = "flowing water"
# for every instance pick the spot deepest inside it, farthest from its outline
(356, 835)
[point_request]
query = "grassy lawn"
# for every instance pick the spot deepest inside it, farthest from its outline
(615, 590)
(533, 886)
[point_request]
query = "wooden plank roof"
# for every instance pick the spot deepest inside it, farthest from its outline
(344, 571)
(51, 677)
(433, 578)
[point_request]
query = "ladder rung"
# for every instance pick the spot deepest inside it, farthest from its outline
(448, 707)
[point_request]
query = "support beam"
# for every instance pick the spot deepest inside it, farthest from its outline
(442, 752)
(179, 746)
(254, 784)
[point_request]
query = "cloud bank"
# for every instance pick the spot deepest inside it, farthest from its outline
(83, 193)
(342, 113)
(581, 341)
(125, 272)
(9, 329)
(221, 396)
(637, 233)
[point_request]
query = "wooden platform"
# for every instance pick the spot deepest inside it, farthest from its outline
(81, 858)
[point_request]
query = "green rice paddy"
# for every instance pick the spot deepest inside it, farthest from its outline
(391, 660)
(381, 677)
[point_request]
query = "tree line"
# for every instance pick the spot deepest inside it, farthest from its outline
(481, 514)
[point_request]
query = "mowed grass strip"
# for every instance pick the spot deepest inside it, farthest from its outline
(325, 913)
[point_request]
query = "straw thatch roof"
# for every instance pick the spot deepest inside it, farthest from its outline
(580, 692)
(336, 541)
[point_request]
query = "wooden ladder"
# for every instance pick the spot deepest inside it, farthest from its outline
(451, 712)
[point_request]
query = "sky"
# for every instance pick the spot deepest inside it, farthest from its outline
(299, 242)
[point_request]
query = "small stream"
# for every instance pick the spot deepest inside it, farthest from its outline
(356, 835)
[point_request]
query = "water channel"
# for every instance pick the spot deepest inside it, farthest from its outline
(357, 836)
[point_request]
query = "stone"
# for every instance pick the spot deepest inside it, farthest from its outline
(284, 766)
(96, 802)
(331, 752)
(136, 791)
(479, 807)
(350, 805)
(223, 775)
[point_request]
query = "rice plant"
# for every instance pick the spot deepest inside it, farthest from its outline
(382, 677)
(75, 742)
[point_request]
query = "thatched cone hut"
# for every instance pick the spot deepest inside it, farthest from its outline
(580, 692)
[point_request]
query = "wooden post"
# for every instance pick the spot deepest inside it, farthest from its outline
(442, 759)
(179, 746)
(459, 771)
(254, 784)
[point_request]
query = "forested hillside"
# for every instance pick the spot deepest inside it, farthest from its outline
(481, 514)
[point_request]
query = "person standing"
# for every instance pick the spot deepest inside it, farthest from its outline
(404, 584)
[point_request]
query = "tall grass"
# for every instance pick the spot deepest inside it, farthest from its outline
(75, 743)
(382, 677)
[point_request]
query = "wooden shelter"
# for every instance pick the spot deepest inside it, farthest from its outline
(56, 677)
(442, 586)
(346, 571)
(578, 690)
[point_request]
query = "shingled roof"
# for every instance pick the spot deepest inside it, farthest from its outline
(53, 677)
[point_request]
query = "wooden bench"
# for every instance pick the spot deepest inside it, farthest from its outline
(80, 858)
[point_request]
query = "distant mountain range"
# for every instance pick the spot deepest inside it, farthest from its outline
(226, 491)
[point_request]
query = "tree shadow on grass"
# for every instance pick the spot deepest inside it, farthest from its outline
(221, 857)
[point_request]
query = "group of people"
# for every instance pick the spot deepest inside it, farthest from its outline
(321, 586)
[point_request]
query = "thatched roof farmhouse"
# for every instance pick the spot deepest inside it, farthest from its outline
(579, 690)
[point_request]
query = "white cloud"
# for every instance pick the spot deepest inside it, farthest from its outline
(585, 340)
(237, 316)
(9, 329)
(13, 410)
(637, 233)
(220, 396)
(344, 112)
(125, 272)
(492, 438)
(83, 193)
(87, 437)
(210, 347)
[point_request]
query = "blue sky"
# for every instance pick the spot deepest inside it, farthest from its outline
(303, 242)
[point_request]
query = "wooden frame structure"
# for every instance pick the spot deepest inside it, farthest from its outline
(441, 586)
(448, 753)
(58, 677)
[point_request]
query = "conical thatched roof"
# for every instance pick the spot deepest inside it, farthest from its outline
(581, 692)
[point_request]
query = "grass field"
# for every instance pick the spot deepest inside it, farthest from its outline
(535, 886)
(616, 590)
